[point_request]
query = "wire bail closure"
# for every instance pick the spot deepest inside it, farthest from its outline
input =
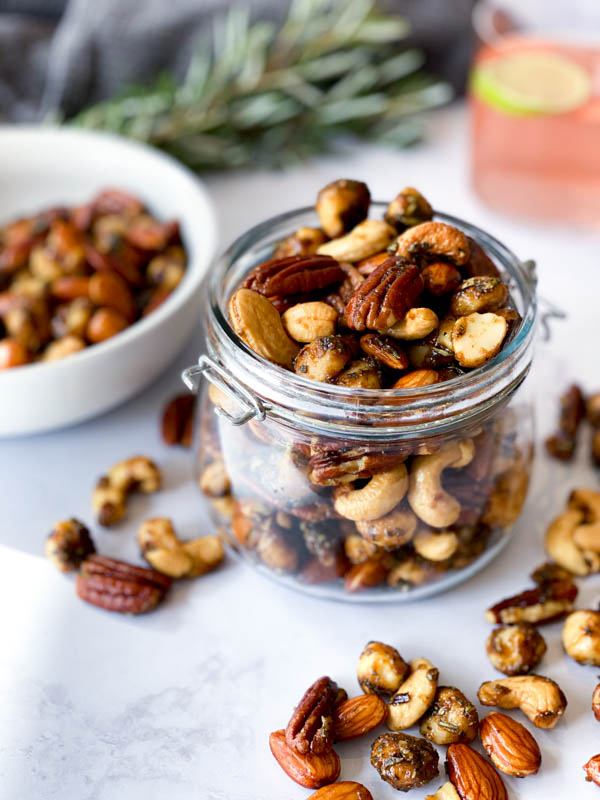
(225, 382)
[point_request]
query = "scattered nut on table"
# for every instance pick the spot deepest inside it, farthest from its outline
(592, 770)
(165, 553)
(515, 649)
(405, 762)
(581, 637)
(381, 669)
(109, 499)
(414, 696)
(538, 697)
(472, 775)
(510, 746)
(451, 718)
(69, 544)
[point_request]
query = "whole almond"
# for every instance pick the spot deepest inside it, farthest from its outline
(344, 790)
(592, 770)
(510, 746)
(358, 715)
(308, 770)
(417, 378)
(109, 289)
(473, 776)
(596, 702)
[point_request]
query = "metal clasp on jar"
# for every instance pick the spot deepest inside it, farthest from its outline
(548, 311)
(250, 406)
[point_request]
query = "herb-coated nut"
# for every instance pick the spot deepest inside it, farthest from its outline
(538, 697)
(361, 374)
(303, 242)
(478, 295)
(394, 530)
(451, 718)
(68, 545)
(405, 762)
(305, 322)
(341, 205)
(581, 636)
(323, 359)
(381, 669)
(414, 696)
(434, 241)
(358, 549)
(440, 278)
(408, 208)
(384, 349)
(515, 649)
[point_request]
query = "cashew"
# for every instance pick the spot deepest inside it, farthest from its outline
(414, 697)
(63, 347)
(445, 792)
(214, 481)
(381, 494)
(435, 546)
(561, 546)
(307, 321)
(426, 496)
(368, 238)
(587, 535)
(108, 502)
(444, 333)
(165, 553)
(478, 337)
(341, 205)
(434, 240)
(416, 324)
(581, 637)
(539, 698)
(138, 473)
(381, 669)
(393, 530)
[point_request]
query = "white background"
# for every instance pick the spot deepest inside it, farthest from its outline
(179, 704)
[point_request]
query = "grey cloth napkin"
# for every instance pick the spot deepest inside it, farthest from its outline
(61, 55)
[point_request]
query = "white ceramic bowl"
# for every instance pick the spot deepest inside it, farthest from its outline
(42, 167)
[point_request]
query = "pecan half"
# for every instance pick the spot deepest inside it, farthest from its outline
(546, 603)
(118, 586)
(294, 275)
(331, 467)
(177, 424)
(385, 296)
(561, 444)
(310, 728)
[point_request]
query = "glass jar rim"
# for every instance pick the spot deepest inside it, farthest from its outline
(340, 410)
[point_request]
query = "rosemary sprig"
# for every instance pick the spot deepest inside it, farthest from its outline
(261, 95)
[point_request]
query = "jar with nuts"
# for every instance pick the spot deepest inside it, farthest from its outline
(363, 400)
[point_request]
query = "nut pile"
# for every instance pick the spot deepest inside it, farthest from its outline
(73, 277)
(574, 409)
(117, 585)
(402, 694)
(369, 304)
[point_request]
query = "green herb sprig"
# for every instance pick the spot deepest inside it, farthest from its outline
(261, 95)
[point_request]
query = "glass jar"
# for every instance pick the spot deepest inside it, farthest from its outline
(349, 493)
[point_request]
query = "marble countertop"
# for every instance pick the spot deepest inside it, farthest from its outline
(180, 703)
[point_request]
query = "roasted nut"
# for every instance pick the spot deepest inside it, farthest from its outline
(393, 530)
(561, 445)
(118, 586)
(548, 602)
(177, 423)
(357, 715)
(592, 410)
(72, 318)
(258, 324)
(592, 770)
(168, 555)
(276, 552)
(451, 718)
(581, 637)
(104, 323)
(68, 545)
(539, 698)
(382, 493)
(440, 278)
(435, 545)
(110, 495)
(358, 550)
(304, 242)
(61, 348)
(366, 239)
(70, 287)
(434, 241)
(588, 502)
(478, 295)
(323, 359)
(415, 324)
(344, 790)
(341, 205)
(214, 481)
(310, 728)
(385, 296)
(309, 770)
(365, 575)
(109, 290)
(445, 792)
(331, 466)
(206, 553)
(550, 573)
(561, 546)
(426, 496)
(286, 277)
(408, 208)
(411, 572)
(167, 269)
(305, 322)
(510, 746)
(414, 696)
(478, 337)
(405, 762)
(108, 502)
(515, 649)
(595, 453)
(384, 349)
(596, 702)
(381, 669)
(473, 777)
(417, 378)
(370, 264)
(361, 374)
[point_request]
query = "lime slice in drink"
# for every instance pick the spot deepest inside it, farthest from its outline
(531, 83)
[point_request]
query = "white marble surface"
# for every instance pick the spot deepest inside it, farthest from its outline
(179, 704)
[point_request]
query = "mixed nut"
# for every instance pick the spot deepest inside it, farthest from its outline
(73, 277)
(374, 306)
(574, 409)
(326, 716)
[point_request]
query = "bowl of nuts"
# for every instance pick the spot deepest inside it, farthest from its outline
(365, 431)
(103, 247)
